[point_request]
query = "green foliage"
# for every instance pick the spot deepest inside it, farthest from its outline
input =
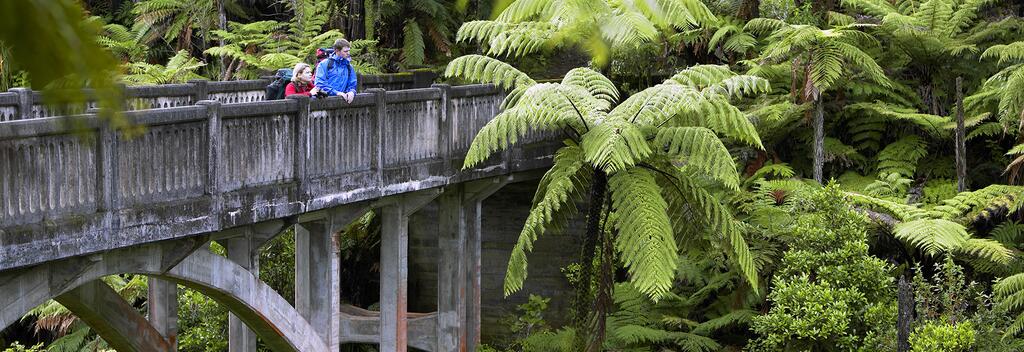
(18, 347)
(942, 337)
(180, 69)
(59, 24)
(825, 281)
(202, 323)
(527, 27)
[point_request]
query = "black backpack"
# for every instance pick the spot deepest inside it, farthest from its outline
(275, 90)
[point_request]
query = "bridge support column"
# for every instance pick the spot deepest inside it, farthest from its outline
(394, 267)
(317, 270)
(458, 272)
(163, 309)
(242, 251)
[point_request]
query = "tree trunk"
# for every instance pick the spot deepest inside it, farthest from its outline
(603, 302)
(598, 190)
(749, 9)
(961, 144)
(819, 140)
(356, 24)
(222, 24)
(904, 315)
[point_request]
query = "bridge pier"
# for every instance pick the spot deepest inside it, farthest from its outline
(458, 267)
(163, 309)
(394, 266)
(241, 251)
(317, 265)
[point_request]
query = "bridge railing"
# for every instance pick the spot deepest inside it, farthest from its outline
(23, 104)
(210, 166)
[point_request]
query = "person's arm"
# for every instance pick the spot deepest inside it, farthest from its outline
(321, 78)
(353, 80)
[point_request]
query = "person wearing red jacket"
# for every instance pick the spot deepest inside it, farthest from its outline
(302, 82)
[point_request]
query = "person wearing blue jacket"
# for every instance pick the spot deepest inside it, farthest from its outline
(335, 74)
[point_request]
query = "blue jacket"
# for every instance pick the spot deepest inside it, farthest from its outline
(340, 78)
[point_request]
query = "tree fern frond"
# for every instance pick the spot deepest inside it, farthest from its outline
(413, 47)
(561, 187)
(615, 144)
(1007, 53)
(628, 28)
(700, 148)
(934, 236)
(645, 238)
(716, 218)
(987, 249)
(598, 85)
(483, 69)
(901, 157)
(541, 107)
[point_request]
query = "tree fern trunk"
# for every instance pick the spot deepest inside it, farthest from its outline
(749, 9)
(961, 146)
(222, 24)
(603, 302)
(598, 190)
(819, 140)
(905, 314)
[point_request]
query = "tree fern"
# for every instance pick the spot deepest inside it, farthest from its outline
(901, 157)
(413, 47)
(655, 204)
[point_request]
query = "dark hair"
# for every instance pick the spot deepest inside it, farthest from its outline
(341, 44)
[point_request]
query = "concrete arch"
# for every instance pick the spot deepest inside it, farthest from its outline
(269, 315)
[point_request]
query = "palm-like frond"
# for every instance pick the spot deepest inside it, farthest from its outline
(483, 69)
(701, 149)
(645, 237)
(555, 201)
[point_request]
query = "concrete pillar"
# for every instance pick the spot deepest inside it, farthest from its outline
(394, 267)
(317, 278)
(317, 269)
(452, 280)
(163, 309)
(394, 276)
(242, 251)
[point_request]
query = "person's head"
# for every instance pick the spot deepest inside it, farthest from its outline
(341, 48)
(302, 73)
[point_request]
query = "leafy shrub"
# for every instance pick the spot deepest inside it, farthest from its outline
(942, 337)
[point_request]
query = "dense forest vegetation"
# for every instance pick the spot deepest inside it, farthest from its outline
(775, 175)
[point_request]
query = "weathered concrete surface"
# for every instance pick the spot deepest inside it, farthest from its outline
(394, 267)
(116, 321)
(317, 271)
(270, 316)
(363, 326)
(242, 251)
(163, 309)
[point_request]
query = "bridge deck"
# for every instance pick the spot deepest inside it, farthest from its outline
(69, 189)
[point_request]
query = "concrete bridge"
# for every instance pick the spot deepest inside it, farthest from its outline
(79, 201)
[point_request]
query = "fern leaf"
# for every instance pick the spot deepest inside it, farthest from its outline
(561, 187)
(645, 238)
(614, 145)
(483, 69)
(701, 149)
(934, 236)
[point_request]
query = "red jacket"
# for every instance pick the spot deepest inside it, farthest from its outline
(291, 89)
